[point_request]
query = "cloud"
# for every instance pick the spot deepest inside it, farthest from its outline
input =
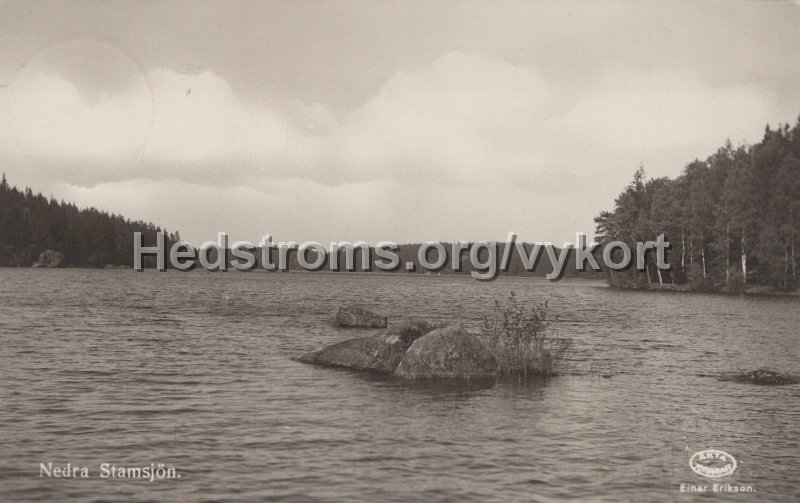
(48, 116)
(86, 126)
(372, 211)
(466, 146)
(657, 111)
(466, 118)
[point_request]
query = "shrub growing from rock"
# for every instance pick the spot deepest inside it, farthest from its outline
(521, 340)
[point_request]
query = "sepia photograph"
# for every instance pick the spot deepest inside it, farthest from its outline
(399, 251)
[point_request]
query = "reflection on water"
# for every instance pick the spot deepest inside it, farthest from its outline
(195, 370)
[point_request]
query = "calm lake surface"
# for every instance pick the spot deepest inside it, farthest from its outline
(193, 370)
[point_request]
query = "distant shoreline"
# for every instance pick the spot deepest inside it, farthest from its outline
(593, 279)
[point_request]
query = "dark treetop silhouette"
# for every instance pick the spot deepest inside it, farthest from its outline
(30, 224)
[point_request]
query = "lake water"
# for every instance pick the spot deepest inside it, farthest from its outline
(194, 370)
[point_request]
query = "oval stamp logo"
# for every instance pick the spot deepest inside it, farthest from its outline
(712, 463)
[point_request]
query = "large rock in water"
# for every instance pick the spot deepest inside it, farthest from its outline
(379, 353)
(448, 352)
(48, 258)
(357, 317)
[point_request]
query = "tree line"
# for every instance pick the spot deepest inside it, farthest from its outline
(733, 220)
(31, 223)
(362, 260)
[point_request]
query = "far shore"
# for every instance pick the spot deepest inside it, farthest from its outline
(755, 291)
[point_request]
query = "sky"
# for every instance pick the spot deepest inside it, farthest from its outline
(359, 120)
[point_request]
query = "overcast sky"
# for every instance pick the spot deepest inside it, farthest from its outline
(377, 121)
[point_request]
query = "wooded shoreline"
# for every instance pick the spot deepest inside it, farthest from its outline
(733, 220)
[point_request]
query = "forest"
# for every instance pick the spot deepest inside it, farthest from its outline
(31, 223)
(732, 220)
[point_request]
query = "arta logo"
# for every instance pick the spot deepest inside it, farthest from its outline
(712, 463)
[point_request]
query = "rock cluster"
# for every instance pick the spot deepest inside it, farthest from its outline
(412, 350)
(379, 352)
(764, 377)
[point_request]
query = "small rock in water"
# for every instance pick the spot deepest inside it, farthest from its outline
(762, 377)
(357, 317)
(49, 258)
